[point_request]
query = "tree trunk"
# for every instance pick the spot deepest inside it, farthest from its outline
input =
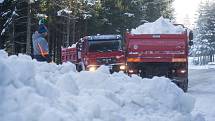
(13, 39)
(28, 42)
(68, 33)
(73, 32)
(211, 57)
(85, 28)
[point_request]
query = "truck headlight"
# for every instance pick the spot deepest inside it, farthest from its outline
(131, 71)
(182, 71)
(92, 68)
(122, 67)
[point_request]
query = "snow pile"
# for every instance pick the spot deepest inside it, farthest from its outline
(73, 46)
(33, 91)
(160, 26)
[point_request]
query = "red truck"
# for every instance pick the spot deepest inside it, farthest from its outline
(166, 55)
(93, 51)
(69, 54)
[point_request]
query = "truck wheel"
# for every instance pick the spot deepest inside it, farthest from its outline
(142, 74)
(79, 67)
(185, 85)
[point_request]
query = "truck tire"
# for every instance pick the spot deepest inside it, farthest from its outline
(142, 74)
(184, 85)
(78, 67)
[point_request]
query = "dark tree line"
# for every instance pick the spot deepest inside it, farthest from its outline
(69, 20)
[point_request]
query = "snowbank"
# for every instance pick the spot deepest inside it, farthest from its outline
(160, 26)
(33, 91)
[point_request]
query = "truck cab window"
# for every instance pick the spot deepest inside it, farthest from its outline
(105, 45)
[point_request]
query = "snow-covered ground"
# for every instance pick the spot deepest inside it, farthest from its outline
(202, 88)
(192, 66)
(33, 91)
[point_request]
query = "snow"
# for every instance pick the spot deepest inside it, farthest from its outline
(3, 31)
(160, 26)
(5, 13)
(73, 46)
(14, 13)
(201, 86)
(38, 91)
(60, 12)
(192, 66)
(91, 2)
(129, 14)
(86, 16)
(210, 65)
(42, 15)
(33, 1)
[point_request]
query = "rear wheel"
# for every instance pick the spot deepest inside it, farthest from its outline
(79, 67)
(184, 85)
(142, 74)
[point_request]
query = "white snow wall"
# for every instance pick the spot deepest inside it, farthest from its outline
(33, 91)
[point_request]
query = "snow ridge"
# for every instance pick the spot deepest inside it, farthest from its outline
(50, 92)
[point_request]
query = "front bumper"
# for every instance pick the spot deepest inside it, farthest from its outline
(112, 67)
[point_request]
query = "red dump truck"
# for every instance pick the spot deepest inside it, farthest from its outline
(93, 51)
(69, 54)
(166, 55)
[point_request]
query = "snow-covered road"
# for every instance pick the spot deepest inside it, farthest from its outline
(202, 87)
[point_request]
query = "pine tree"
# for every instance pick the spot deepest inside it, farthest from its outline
(86, 17)
(8, 16)
(205, 39)
(154, 9)
(15, 24)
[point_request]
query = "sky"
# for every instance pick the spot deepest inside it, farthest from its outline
(1, 1)
(186, 11)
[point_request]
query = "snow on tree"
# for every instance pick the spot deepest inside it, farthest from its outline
(9, 20)
(205, 31)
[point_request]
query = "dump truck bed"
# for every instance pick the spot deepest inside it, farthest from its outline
(156, 48)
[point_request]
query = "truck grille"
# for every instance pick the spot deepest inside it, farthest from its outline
(106, 61)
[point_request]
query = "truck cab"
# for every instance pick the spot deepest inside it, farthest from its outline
(94, 51)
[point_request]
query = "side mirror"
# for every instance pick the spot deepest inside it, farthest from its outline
(190, 35)
(190, 43)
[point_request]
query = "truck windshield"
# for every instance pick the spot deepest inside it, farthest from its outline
(104, 45)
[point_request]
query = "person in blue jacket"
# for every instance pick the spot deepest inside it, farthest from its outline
(40, 44)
